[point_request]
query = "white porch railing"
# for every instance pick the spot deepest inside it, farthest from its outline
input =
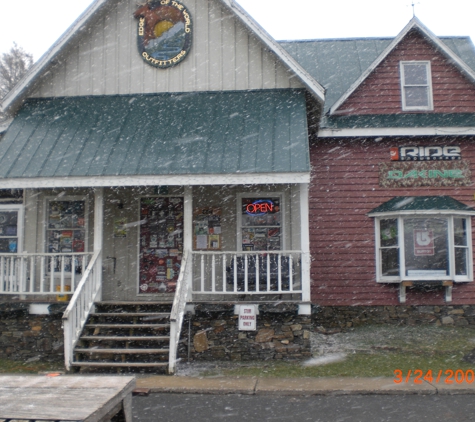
(249, 273)
(178, 309)
(41, 273)
(80, 306)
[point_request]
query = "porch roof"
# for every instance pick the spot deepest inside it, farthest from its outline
(192, 135)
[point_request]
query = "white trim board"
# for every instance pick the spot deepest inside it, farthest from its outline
(26, 84)
(171, 180)
(392, 214)
(414, 23)
(389, 131)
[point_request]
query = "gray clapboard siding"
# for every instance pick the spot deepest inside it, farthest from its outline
(104, 60)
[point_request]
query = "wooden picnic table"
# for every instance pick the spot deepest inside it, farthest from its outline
(65, 398)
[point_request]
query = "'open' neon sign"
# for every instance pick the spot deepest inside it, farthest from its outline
(260, 207)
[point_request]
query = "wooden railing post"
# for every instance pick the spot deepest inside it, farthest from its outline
(98, 233)
(178, 310)
(188, 235)
(305, 247)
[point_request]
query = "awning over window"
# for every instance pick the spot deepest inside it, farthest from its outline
(153, 135)
(422, 204)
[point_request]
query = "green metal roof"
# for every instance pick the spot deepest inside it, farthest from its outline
(337, 63)
(421, 203)
(414, 120)
(165, 134)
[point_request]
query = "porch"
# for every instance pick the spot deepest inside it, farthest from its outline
(113, 268)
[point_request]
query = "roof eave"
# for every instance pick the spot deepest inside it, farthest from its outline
(419, 212)
(18, 93)
(414, 23)
(5, 125)
(22, 88)
(395, 131)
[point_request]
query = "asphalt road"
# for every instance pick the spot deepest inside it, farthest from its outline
(354, 408)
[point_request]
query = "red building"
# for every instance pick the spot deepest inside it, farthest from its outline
(391, 168)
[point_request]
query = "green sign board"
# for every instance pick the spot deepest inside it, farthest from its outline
(415, 174)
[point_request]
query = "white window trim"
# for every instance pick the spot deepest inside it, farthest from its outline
(260, 195)
(49, 199)
(21, 211)
(430, 106)
(450, 233)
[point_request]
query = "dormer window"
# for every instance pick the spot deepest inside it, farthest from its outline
(416, 86)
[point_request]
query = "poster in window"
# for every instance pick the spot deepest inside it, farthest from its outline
(8, 231)
(424, 242)
(120, 228)
(161, 244)
(261, 224)
(207, 228)
(66, 226)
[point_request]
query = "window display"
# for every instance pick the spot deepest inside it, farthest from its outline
(207, 228)
(261, 223)
(161, 244)
(66, 226)
(9, 230)
(424, 248)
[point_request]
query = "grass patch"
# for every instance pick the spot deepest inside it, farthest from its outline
(8, 366)
(357, 365)
(372, 351)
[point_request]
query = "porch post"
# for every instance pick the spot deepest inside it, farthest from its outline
(188, 235)
(98, 232)
(305, 307)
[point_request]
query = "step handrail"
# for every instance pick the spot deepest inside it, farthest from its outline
(178, 310)
(79, 308)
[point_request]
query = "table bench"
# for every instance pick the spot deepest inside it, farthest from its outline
(66, 398)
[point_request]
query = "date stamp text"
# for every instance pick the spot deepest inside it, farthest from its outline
(448, 376)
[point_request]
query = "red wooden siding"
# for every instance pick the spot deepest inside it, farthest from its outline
(344, 188)
(380, 93)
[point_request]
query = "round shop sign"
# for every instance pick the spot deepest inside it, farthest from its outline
(164, 32)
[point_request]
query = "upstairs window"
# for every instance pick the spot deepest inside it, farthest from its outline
(416, 86)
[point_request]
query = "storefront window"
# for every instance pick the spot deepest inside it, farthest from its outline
(424, 248)
(10, 222)
(461, 246)
(389, 247)
(261, 224)
(66, 226)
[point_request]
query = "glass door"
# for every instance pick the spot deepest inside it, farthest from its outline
(161, 244)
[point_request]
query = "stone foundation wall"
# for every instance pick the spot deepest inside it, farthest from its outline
(281, 334)
(341, 317)
(24, 336)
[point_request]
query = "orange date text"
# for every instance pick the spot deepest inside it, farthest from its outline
(448, 376)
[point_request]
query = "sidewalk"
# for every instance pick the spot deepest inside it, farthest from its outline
(294, 386)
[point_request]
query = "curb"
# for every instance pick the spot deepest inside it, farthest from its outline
(297, 386)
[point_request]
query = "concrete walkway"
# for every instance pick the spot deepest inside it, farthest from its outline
(295, 386)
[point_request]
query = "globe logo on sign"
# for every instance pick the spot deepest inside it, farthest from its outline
(164, 32)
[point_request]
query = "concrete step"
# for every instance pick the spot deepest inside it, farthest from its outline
(127, 325)
(130, 302)
(123, 351)
(132, 314)
(121, 364)
(126, 338)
